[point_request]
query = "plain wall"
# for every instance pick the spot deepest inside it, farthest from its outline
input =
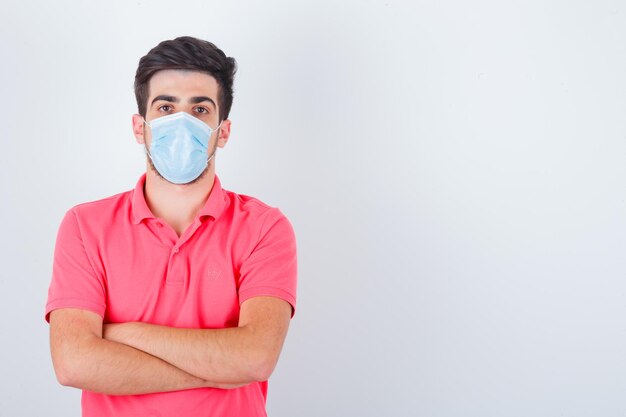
(454, 172)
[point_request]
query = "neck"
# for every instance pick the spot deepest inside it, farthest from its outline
(177, 204)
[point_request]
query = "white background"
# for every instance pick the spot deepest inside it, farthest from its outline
(454, 172)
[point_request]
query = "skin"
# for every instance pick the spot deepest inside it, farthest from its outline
(177, 204)
(138, 358)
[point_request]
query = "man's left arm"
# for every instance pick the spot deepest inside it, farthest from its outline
(234, 355)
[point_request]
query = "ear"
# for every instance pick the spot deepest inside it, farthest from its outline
(138, 128)
(224, 133)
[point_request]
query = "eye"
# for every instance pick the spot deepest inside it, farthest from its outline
(165, 107)
(202, 110)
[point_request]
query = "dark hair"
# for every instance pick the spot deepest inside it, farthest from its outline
(187, 53)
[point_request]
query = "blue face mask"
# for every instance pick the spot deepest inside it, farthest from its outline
(179, 147)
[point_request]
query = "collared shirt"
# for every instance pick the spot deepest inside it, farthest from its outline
(115, 258)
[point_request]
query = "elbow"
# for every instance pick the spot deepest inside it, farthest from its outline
(262, 368)
(69, 368)
(65, 379)
(66, 375)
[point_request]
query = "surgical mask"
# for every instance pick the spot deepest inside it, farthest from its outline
(179, 147)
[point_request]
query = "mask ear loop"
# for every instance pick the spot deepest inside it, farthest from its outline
(214, 130)
(145, 148)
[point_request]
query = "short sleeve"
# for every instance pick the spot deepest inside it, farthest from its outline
(74, 281)
(271, 267)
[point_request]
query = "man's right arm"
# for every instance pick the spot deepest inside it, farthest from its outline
(83, 359)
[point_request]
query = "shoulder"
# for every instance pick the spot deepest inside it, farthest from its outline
(253, 214)
(243, 205)
(102, 211)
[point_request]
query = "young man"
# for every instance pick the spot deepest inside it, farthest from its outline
(174, 298)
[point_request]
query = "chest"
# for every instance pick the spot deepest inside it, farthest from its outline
(155, 276)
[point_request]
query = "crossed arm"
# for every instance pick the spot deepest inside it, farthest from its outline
(140, 358)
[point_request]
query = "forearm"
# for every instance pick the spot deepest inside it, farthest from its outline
(226, 356)
(112, 368)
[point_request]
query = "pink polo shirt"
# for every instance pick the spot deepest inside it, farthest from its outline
(115, 258)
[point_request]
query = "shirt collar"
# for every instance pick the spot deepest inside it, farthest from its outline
(213, 206)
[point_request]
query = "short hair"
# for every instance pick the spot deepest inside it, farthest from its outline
(187, 53)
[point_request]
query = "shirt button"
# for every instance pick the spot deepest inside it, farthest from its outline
(176, 250)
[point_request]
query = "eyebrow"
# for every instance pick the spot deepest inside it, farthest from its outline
(193, 100)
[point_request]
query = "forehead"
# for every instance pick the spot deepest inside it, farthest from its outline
(182, 83)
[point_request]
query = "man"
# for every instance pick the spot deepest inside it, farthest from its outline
(174, 298)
